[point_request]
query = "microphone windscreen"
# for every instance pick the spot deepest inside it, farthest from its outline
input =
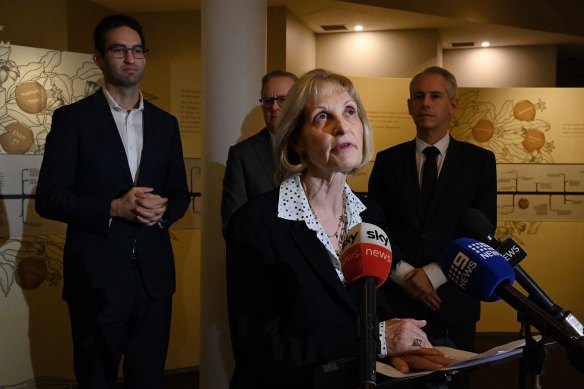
(476, 268)
(474, 224)
(366, 253)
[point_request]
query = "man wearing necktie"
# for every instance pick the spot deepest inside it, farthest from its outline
(429, 175)
(423, 185)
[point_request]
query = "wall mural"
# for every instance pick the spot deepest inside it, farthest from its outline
(33, 83)
(32, 86)
(510, 129)
(532, 186)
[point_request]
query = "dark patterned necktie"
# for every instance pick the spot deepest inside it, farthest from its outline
(429, 175)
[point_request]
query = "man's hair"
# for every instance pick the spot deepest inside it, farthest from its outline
(294, 115)
(109, 23)
(451, 86)
(277, 73)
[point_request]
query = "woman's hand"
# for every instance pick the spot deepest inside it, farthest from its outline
(404, 335)
(409, 348)
(421, 359)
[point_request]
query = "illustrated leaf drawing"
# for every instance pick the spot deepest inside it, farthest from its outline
(51, 60)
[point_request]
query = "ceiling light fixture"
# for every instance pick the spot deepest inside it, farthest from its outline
(485, 44)
(358, 27)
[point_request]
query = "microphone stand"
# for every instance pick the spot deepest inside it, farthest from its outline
(533, 359)
(368, 332)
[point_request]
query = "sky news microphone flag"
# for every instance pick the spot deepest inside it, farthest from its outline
(366, 253)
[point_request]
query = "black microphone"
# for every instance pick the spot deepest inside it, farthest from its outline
(483, 273)
(472, 223)
(366, 262)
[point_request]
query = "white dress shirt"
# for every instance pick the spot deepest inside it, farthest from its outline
(130, 127)
(432, 270)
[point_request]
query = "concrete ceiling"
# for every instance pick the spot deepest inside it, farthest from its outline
(502, 22)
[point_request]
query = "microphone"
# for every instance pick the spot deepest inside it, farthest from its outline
(465, 257)
(366, 261)
(480, 271)
(474, 224)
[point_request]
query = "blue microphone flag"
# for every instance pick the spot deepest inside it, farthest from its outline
(476, 268)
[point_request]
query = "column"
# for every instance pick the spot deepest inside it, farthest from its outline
(234, 60)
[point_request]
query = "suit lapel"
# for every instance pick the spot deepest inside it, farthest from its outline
(106, 124)
(318, 259)
(148, 142)
(264, 152)
(411, 175)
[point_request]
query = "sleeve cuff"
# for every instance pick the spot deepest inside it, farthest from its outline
(162, 223)
(401, 269)
(435, 275)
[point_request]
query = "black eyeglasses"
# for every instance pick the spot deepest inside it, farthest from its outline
(267, 102)
(119, 51)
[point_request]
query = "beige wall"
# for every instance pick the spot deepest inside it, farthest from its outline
(276, 38)
(395, 54)
(401, 54)
(173, 38)
(291, 45)
(82, 16)
(300, 46)
(503, 67)
(45, 28)
(51, 24)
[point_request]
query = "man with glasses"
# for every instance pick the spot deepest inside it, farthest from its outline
(250, 164)
(113, 170)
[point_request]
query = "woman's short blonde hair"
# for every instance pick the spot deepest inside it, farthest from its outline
(293, 116)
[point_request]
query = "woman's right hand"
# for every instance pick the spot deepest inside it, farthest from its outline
(421, 359)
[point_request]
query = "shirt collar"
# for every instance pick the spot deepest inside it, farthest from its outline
(274, 139)
(441, 145)
(113, 104)
(293, 205)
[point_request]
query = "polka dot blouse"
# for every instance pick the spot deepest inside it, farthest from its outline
(293, 205)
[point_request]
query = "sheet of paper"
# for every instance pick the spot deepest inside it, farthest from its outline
(463, 358)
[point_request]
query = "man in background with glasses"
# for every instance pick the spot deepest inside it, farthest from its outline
(113, 170)
(250, 164)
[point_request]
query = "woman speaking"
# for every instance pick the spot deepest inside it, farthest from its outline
(290, 309)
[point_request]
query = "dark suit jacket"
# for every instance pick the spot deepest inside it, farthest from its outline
(467, 180)
(83, 169)
(248, 173)
(288, 310)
